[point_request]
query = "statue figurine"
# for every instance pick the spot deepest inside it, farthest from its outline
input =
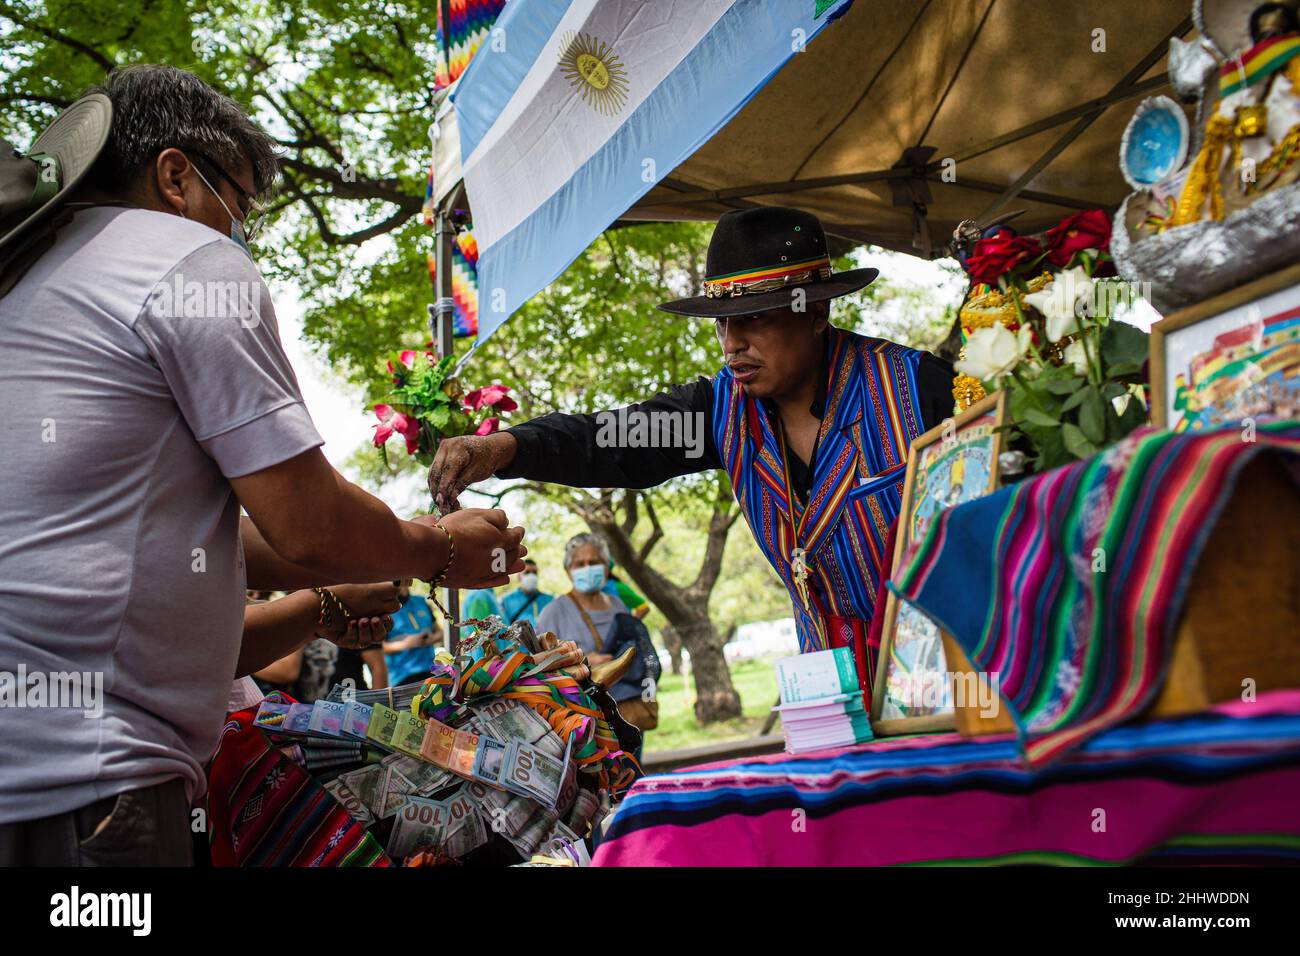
(1211, 196)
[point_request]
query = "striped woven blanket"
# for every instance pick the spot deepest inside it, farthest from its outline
(1069, 585)
(265, 810)
(1219, 787)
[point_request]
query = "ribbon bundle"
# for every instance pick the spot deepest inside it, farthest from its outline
(499, 666)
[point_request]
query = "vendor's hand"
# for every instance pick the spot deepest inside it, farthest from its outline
(368, 600)
(464, 460)
(488, 551)
(596, 658)
(363, 632)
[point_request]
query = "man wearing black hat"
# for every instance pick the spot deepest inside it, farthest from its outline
(812, 424)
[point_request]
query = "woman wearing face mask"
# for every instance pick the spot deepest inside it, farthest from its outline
(600, 624)
(527, 601)
(586, 614)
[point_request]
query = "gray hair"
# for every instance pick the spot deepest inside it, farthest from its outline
(160, 107)
(585, 538)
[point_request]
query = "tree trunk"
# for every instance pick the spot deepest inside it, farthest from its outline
(715, 696)
(673, 644)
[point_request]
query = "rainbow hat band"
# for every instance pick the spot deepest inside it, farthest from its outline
(768, 258)
(767, 280)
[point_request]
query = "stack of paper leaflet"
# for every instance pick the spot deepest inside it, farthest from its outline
(821, 703)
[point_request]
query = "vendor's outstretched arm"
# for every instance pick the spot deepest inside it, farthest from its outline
(638, 446)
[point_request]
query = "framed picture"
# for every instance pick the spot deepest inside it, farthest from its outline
(952, 463)
(1233, 357)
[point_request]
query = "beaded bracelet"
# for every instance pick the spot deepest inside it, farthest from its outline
(329, 603)
(451, 556)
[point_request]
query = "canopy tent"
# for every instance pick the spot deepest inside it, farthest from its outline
(901, 119)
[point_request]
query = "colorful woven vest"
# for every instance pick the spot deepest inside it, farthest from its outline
(872, 414)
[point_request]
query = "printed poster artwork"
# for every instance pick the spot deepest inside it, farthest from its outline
(948, 473)
(1243, 363)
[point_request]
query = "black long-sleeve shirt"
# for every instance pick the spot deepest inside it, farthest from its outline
(569, 449)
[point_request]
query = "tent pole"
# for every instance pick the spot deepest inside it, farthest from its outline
(691, 195)
(1083, 122)
(443, 335)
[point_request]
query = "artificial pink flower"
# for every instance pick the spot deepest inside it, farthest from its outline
(491, 396)
(391, 421)
(489, 426)
(410, 430)
(384, 430)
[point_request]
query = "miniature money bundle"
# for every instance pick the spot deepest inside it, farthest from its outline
(513, 663)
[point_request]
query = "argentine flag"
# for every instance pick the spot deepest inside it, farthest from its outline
(574, 109)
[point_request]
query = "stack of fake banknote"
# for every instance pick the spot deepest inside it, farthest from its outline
(821, 703)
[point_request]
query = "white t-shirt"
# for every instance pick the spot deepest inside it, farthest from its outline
(140, 369)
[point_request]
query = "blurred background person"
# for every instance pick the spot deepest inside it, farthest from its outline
(413, 640)
(527, 601)
(637, 606)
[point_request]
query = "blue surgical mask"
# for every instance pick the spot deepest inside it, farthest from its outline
(528, 582)
(236, 227)
(589, 579)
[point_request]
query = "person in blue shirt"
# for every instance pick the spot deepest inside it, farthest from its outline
(413, 641)
(525, 602)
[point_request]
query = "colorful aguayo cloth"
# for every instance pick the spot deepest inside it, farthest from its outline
(1218, 787)
(265, 810)
(1012, 577)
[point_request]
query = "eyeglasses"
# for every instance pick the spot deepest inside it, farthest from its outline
(254, 219)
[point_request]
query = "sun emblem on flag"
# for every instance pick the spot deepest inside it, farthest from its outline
(595, 71)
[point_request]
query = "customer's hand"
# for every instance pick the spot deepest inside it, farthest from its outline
(463, 460)
(488, 551)
(368, 600)
(363, 632)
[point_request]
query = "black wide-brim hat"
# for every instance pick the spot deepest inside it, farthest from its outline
(758, 256)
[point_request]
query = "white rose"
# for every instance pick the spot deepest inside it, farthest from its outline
(1076, 356)
(1059, 300)
(993, 352)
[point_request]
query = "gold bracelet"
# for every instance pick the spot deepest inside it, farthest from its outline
(451, 556)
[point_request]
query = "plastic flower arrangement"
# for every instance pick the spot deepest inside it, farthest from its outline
(427, 403)
(1042, 329)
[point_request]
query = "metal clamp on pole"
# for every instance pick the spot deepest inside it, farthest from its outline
(441, 316)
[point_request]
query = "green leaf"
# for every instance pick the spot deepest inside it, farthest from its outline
(439, 417)
(1123, 344)
(1051, 452)
(1076, 443)
(1076, 399)
(1065, 386)
(1092, 416)
(1122, 369)
(1036, 417)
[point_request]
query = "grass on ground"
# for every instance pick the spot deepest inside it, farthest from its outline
(755, 681)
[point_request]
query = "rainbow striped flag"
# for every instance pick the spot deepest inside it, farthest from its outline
(459, 39)
(1014, 577)
(1264, 59)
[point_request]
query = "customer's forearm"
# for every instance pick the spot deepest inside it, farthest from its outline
(315, 519)
(361, 539)
(276, 629)
(267, 571)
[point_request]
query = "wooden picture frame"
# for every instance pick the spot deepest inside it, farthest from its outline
(1189, 342)
(982, 423)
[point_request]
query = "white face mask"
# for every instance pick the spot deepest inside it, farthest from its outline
(528, 582)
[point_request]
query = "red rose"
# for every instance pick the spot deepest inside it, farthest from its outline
(1089, 229)
(997, 255)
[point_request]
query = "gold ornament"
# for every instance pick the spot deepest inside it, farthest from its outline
(967, 390)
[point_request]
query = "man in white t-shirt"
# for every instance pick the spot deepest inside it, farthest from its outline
(146, 398)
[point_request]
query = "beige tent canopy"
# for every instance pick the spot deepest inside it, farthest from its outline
(1026, 99)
